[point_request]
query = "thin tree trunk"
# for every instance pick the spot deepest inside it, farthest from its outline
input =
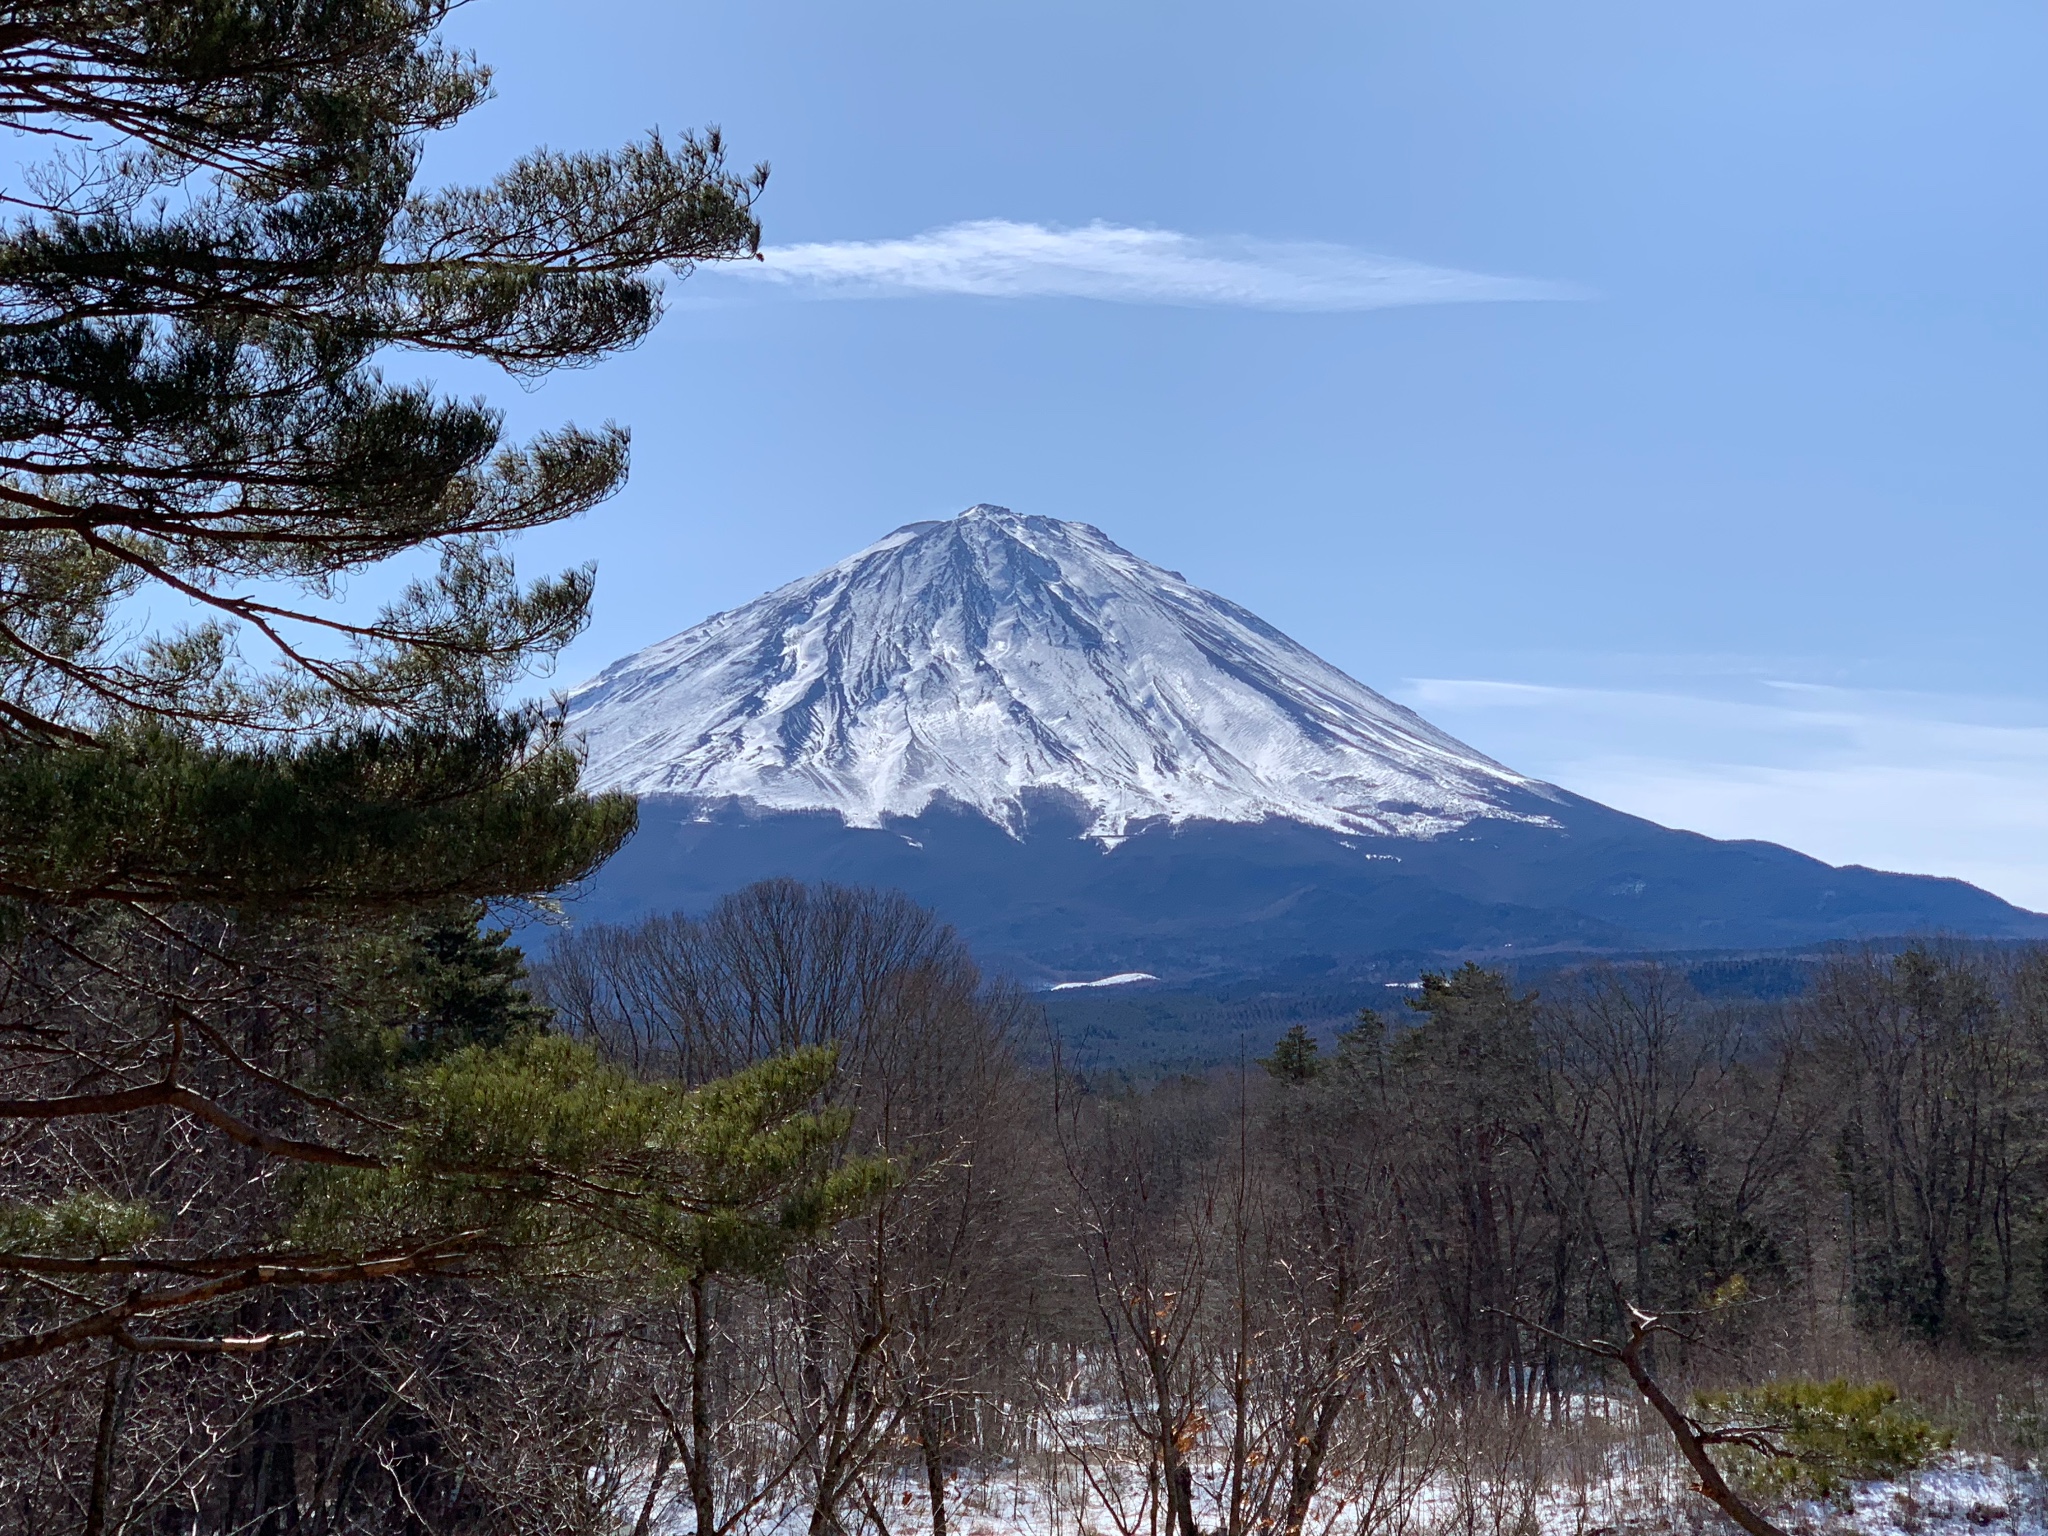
(1307, 1473)
(934, 1463)
(103, 1446)
(1691, 1437)
(661, 1464)
(1687, 1434)
(1180, 1480)
(1181, 1489)
(699, 1459)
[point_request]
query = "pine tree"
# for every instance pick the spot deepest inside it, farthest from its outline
(240, 861)
(197, 290)
(1294, 1056)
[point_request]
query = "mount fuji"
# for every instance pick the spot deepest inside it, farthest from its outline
(1087, 763)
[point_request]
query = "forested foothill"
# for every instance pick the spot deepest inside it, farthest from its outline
(1401, 1279)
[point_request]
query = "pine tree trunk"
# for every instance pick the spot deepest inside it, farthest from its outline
(700, 1409)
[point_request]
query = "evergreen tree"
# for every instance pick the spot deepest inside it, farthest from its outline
(196, 290)
(1294, 1056)
(239, 861)
(369, 1107)
(1464, 1079)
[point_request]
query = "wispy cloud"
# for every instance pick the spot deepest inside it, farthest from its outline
(1001, 258)
(1945, 786)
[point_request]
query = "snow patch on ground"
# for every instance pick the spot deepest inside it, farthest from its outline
(1637, 1496)
(1120, 979)
(1961, 1496)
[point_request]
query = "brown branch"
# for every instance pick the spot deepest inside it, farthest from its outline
(108, 1322)
(285, 1084)
(35, 1265)
(184, 1012)
(1692, 1438)
(169, 1094)
(171, 1344)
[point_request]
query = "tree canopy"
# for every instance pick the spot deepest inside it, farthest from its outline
(248, 829)
(199, 290)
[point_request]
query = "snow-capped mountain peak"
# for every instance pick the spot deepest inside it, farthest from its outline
(983, 657)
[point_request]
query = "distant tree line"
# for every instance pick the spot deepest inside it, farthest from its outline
(1256, 1285)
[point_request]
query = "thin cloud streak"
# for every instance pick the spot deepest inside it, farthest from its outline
(1889, 780)
(1005, 259)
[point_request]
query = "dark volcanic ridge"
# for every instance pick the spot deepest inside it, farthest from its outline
(1208, 899)
(1091, 766)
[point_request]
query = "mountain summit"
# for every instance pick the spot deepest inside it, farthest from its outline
(1092, 767)
(979, 659)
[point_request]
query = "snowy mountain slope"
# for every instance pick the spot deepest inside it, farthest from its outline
(1091, 767)
(987, 657)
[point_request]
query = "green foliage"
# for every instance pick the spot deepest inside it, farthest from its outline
(1361, 1052)
(193, 308)
(1812, 1439)
(1472, 998)
(84, 1224)
(420, 990)
(369, 819)
(554, 1163)
(197, 305)
(1294, 1056)
(473, 987)
(243, 858)
(1475, 1050)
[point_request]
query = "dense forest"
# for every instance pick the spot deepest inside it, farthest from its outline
(1285, 1295)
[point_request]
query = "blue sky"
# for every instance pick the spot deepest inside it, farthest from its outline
(1653, 396)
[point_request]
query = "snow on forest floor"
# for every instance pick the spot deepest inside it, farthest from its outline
(1601, 1467)
(1958, 1496)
